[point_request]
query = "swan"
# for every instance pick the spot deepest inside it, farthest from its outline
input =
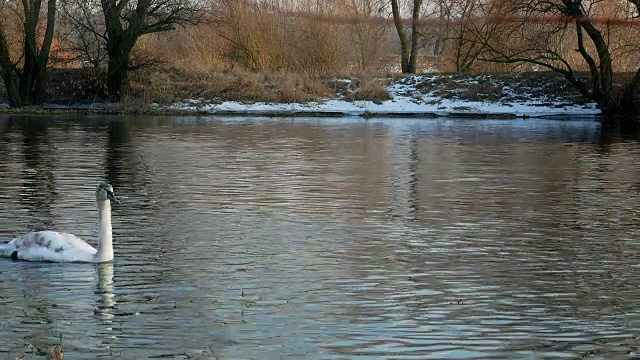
(54, 246)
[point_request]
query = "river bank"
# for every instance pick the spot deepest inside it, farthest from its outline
(496, 95)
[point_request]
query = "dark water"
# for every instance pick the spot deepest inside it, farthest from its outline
(325, 239)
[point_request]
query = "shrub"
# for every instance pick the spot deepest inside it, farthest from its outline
(370, 90)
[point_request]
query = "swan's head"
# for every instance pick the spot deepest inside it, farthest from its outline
(105, 192)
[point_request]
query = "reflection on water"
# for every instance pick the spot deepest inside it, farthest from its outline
(325, 238)
(105, 289)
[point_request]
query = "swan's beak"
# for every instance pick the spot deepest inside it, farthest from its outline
(112, 197)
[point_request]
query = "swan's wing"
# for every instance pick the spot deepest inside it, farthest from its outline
(51, 246)
(6, 249)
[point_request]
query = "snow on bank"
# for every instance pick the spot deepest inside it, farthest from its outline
(407, 100)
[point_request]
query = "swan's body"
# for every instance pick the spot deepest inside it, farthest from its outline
(62, 247)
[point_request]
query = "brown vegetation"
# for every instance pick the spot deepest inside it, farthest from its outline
(368, 89)
(171, 84)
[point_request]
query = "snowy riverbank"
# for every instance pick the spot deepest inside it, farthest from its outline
(421, 96)
(496, 95)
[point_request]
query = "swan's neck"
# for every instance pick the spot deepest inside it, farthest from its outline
(105, 244)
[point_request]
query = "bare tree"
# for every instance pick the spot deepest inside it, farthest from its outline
(470, 31)
(265, 36)
(84, 33)
(408, 45)
(541, 39)
(127, 20)
(250, 33)
(26, 84)
(366, 34)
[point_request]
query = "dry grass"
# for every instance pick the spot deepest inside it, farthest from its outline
(171, 84)
(368, 89)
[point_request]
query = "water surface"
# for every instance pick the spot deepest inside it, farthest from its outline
(325, 238)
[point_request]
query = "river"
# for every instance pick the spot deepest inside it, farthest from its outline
(324, 238)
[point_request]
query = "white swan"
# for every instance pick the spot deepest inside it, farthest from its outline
(62, 247)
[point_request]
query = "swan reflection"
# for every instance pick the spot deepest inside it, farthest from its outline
(107, 302)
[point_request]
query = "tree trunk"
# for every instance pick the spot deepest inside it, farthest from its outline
(408, 49)
(120, 42)
(415, 37)
(30, 53)
(13, 90)
(41, 76)
(117, 71)
(8, 73)
(402, 35)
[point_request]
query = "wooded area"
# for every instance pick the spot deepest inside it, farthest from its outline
(592, 43)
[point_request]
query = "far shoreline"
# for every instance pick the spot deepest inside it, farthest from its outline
(425, 96)
(119, 109)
